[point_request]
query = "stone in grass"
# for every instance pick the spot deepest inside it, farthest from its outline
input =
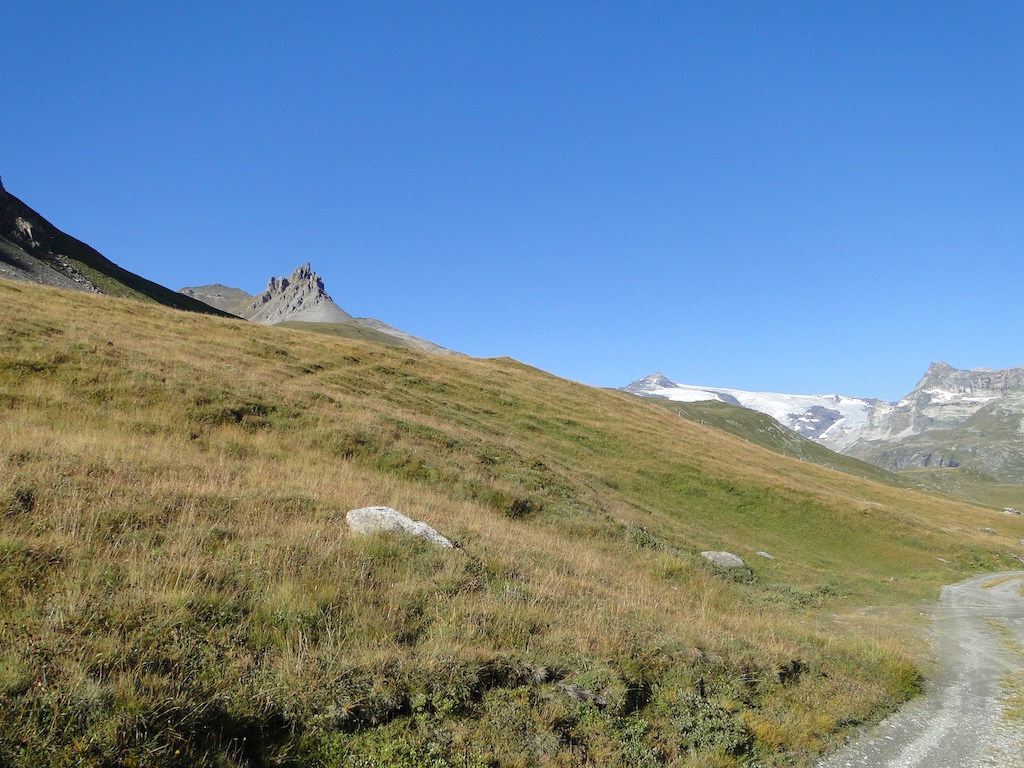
(581, 695)
(374, 519)
(724, 559)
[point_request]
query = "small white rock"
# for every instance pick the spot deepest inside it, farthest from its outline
(724, 559)
(374, 519)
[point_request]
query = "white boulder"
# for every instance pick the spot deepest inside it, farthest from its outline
(374, 519)
(724, 559)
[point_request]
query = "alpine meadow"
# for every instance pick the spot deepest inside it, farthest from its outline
(180, 588)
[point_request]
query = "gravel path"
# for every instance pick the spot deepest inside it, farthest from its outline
(960, 721)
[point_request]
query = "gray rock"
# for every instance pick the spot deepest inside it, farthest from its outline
(765, 555)
(581, 695)
(367, 520)
(300, 297)
(724, 559)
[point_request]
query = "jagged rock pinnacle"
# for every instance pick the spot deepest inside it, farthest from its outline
(300, 296)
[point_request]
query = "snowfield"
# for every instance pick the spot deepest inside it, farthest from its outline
(833, 420)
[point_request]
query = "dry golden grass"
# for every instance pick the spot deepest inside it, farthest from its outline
(184, 591)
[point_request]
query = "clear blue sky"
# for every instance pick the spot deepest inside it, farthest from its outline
(802, 197)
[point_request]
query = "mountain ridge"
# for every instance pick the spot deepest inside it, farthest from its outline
(223, 297)
(34, 250)
(952, 418)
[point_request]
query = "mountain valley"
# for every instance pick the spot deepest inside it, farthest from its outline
(184, 592)
(181, 588)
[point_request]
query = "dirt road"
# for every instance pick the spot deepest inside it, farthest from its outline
(964, 718)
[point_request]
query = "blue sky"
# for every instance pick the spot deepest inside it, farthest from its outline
(782, 196)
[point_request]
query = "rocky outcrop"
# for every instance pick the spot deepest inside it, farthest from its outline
(299, 297)
(952, 418)
(302, 298)
(367, 520)
(945, 398)
(976, 382)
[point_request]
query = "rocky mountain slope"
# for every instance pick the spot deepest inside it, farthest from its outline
(33, 250)
(952, 418)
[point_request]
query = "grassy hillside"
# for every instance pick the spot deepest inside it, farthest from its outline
(965, 483)
(180, 588)
(962, 483)
(347, 330)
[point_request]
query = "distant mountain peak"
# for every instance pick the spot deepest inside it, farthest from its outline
(302, 274)
(299, 297)
(221, 297)
(302, 298)
(975, 382)
(654, 381)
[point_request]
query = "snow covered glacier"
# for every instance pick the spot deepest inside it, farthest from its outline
(835, 421)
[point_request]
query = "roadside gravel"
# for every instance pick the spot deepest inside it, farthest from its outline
(962, 720)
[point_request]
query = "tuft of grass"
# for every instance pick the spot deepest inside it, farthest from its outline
(1013, 680)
